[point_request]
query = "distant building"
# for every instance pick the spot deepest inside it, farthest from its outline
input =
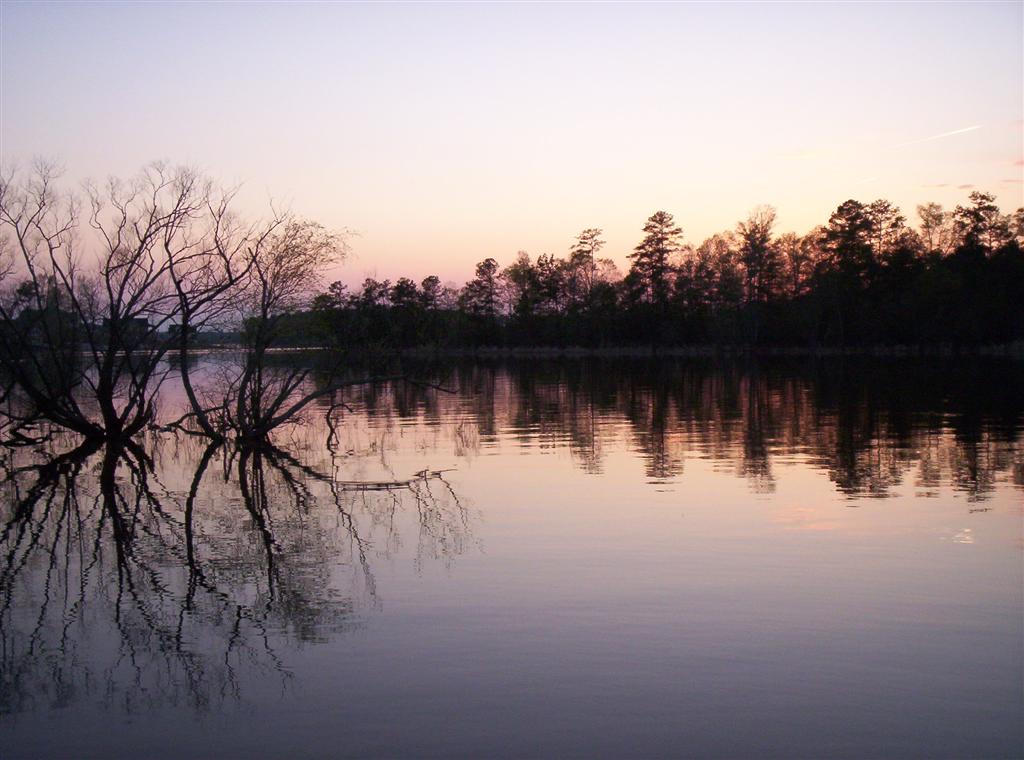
(130, 332)
(174, 331)
(50, 326)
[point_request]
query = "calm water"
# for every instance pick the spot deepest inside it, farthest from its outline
(561, 559)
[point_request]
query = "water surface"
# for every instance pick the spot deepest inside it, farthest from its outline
(560, 559)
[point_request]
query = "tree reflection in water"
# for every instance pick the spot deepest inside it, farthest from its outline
(128, 578)
(168, 571)
(866, 423)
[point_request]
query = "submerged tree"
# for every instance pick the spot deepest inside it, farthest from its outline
(93, 303)
(89, 298)
(284, 270)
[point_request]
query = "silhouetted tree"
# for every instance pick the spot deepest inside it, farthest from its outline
(481, 300)
(582, 267)
(888, 228)
(83, 337)
(936, 228)
(980, 226)
(430, 292)
(652, 258)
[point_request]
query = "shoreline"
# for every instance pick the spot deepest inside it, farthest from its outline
(1013, 350)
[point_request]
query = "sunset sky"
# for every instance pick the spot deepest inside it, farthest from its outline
(444, 133)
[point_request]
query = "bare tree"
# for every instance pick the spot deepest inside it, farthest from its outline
(283, 270)
(83, 336)
(97, 290)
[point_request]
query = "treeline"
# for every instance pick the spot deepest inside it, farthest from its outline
(867, 277)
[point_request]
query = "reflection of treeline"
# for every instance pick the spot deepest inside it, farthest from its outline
(865, 277)
(869, 425)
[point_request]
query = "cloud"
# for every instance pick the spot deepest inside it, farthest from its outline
(939, 136)
(1014, 181)
(1019, 162)
(958, 187)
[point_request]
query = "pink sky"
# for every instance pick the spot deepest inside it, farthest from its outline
(445, 133)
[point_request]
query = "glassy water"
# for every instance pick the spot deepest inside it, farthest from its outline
(559, 559)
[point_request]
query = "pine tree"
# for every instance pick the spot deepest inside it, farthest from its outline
(652, 266)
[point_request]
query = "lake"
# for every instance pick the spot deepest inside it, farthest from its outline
(560, 558)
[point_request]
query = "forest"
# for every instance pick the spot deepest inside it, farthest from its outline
(867, 277)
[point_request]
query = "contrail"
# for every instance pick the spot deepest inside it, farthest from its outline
(939, 137)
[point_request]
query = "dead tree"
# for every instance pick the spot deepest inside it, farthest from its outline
(97, 293)
(284, 268)
(89, 297)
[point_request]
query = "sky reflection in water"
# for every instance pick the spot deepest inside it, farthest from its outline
(583, 558)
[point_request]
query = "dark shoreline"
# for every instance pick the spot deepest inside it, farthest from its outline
(1013, 350)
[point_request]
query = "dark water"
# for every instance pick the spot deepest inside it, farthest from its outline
(578, 559)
